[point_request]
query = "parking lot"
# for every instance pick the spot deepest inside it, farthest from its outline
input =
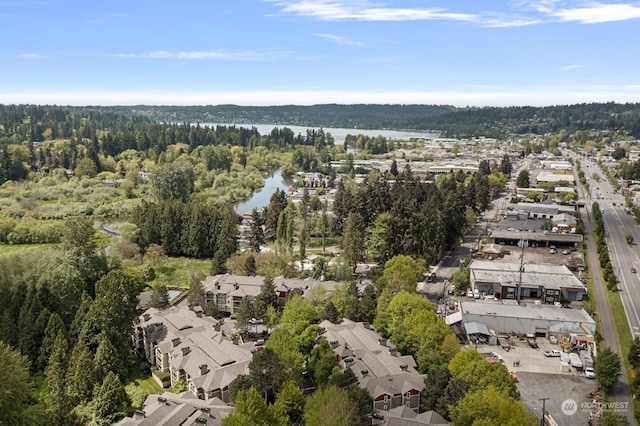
(541, 377)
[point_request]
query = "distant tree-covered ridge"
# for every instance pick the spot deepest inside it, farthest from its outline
(452, 121)
(137, 122)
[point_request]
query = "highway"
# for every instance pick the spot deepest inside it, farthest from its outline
(617, 224)
(624, 257)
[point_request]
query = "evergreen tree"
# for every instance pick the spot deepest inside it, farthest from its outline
(353, 243)
(505, 165)
(218, 264)
(256, 234)
(267, 297)
(394, 168)
(57, 403)
(522, 181)
(196, 289)
(15, 388)
(108, 359)
(81, 376)
(276, 205)
(54, 326)
(244, 315)
(159, 297)
(250, 265)
(111, 403)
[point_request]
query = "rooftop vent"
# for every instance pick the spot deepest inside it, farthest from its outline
(139, 414)
(382, 341)
(186, 350)
(162, 399)
(201, 421)
(146, 317)
(364, 372)
(404, 367)
(175, 342)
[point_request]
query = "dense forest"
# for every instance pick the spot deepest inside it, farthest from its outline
(144, 124)
(453, 122)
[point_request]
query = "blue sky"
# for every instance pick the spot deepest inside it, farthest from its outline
(304, 52)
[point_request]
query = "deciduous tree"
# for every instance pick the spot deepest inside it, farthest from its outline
(608, 369)
(490, 406)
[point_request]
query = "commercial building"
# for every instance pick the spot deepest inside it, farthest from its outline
(530, 319)
(548, 283)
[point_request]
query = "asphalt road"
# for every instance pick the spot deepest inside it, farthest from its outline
(616, 245)
(624, 257)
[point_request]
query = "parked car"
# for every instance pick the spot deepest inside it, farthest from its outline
(589, 373)
(439, 311)
(496, 355)
(566, 251)
(554, 353)
(476, 294)
(469, 293)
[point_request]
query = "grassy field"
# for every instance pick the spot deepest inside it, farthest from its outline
(7, 249)
(174, 272)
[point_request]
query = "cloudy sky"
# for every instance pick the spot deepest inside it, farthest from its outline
(304, 52)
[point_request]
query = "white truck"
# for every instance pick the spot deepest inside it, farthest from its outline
(587, 360)
(576, 362)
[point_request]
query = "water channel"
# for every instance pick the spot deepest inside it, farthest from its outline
(260, 197)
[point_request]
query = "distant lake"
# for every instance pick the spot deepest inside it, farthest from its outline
(339, 134)
(261, 197)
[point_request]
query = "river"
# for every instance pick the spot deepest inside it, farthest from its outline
(261, 197)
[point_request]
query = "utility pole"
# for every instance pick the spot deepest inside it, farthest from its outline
(544, 411)
(521, 243)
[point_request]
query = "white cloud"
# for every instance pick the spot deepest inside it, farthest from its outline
(336, 10)
(595, 13)
(32, 55)
(534, 96)
(571, 67)
(544, 11)
(342, 41)
(220, 54)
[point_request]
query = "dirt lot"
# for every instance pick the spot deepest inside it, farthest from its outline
(541, 255)
(540, 377)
